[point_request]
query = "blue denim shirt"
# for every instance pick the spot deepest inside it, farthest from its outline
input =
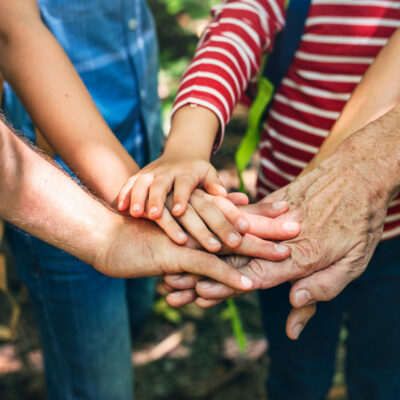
(113, 46)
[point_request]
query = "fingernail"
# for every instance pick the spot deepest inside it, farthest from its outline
(280, 248)
(246, 282)
(279, 205)
(303, 297)
(297, 329)
(233, 238)
(174, 277)
(153, 210)
(181, 236)
(213, 242)
(176, 208)
(175, 294)
(291, 226)
(136, 207)
(242, 224)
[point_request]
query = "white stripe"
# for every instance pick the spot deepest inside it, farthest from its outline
(298, 125)
(246, 27)
(267, 182)
(289, 141)
(203, 103)
(281, 156)
(269, 165)
(329, 77)
(224, 66)
(333, 59)
(240, 42)
(307, 108)
(214, 77)
(206, 89)
(289, 160)
(392, 218)
(253, 7)
(391, 233)
(218, 38)
(266, 144)
(326, 94)
(277, 12)
(357, 40)
(394, 203)
(353, 21)
(371, 3)
(263, 191)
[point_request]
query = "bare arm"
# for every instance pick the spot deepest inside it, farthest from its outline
(377, 93)
(43, 77)
(78, 223)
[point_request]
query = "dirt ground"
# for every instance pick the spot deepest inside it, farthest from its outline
(186, 354)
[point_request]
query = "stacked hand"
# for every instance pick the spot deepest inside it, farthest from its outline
(341, 214)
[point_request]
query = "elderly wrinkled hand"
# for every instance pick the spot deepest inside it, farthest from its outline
(341, 207)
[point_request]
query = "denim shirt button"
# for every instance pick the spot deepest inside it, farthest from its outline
(132, 24)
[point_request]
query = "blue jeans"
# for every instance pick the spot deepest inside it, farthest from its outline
(370, 309)
(85, 321)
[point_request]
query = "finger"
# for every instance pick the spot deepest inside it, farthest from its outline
(182, 281)
(213, 185)
(283, 227)
(168, 224)
(253, 246)
(204, 303)
(323, 285)
(158, 192)
(183, 188)
(167, 287)
(181, 298)
(215, 219)
(238, 199)
(298, 319)
(212, 290)
(198, 229)
(267, 209)
(263, 273)
(232, 213)
(139, 193)
(206, 264)
(124, 194)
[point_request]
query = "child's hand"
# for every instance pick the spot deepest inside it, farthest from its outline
(146, 192)
(207, 218)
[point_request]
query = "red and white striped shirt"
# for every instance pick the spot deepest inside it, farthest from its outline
(340, 41)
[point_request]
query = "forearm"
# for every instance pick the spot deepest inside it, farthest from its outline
(193, 132)
(30, 198)
(374, 153)
(39, 71)
(377, 93)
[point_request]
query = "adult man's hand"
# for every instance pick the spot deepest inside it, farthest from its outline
(138, 248)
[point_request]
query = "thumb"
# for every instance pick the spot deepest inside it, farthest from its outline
(298, 319)
(323, 285)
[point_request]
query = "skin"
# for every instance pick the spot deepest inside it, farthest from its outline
(80, 224)
(367, 103)
(52, 92)
(341, 206)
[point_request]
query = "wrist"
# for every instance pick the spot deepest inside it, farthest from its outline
(374, 153)
(193, 132)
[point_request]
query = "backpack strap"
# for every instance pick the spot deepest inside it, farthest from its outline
(273, 71)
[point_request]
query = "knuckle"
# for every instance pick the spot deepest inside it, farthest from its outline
(306, 255)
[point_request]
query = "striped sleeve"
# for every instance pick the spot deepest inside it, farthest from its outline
(229, 55)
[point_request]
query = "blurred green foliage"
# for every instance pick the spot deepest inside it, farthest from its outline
(178, 24)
